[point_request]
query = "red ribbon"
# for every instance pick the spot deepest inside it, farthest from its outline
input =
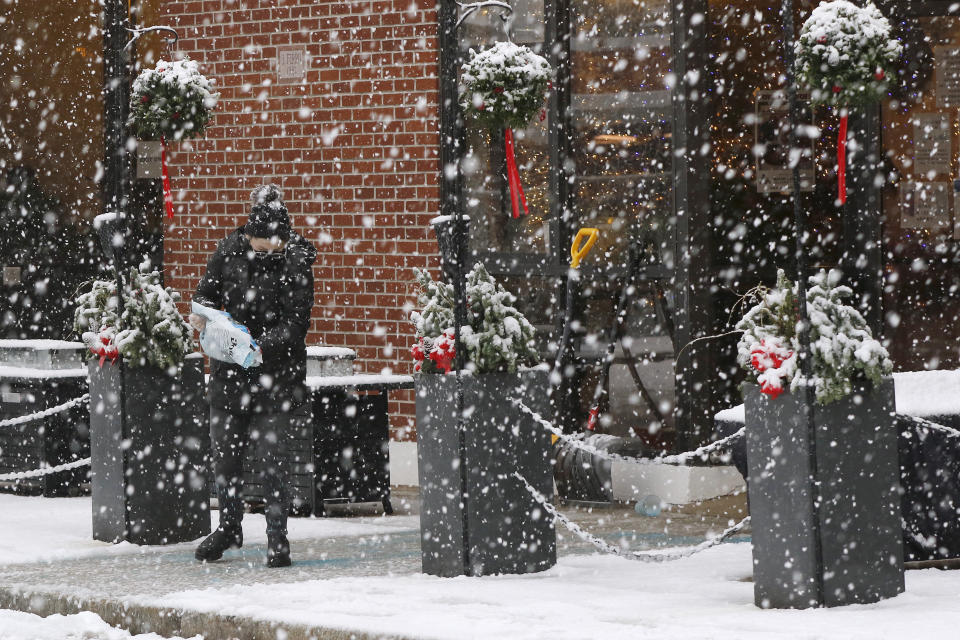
(167, 195)
(592, 419)
(513, 176)
(842, 158)
(106, 352)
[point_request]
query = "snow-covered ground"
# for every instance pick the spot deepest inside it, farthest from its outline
(46, 529)
(16, 625)
(588, 596)
(708, 596)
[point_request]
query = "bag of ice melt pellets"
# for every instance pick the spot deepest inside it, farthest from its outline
(227, 340)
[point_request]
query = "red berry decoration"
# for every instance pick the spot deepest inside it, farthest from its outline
(880, 75)
(822, 40)
(771, 390)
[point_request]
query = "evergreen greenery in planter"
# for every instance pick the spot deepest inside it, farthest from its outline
(153, 333)
(823, 488)
(498, 337)
(843, 349)
(476, 519)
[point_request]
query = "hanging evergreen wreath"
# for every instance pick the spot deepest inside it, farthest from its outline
(505, 86)
(172, 101)
(846, 55)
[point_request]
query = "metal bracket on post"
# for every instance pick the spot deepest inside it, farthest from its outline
(137, 32)
(470, 8)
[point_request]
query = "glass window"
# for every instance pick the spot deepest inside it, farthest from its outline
(493, 227)
(921, 140)
(620, 123)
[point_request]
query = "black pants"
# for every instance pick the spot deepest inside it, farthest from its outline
(230, 436)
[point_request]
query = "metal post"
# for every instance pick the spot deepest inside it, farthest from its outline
(803, 332)
(862, 255)
(116, 101)
(116, 105)
(451, 186)
(690, 259)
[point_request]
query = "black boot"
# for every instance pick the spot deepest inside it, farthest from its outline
(278, 550)
(216, 543)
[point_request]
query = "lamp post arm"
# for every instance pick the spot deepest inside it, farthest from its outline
(137, 32)
(471, 7)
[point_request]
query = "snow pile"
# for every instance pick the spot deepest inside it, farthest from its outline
(17, 625)
(505, 85)
(590, 596)
(843, 350)
(845, 53)
(331, 353)
(497, 337)
(173, 100)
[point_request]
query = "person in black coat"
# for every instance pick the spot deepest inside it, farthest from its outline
(262, 275)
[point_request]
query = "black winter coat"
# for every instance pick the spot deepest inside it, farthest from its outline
(271, 295)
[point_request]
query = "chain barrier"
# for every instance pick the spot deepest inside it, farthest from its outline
(11, 422)
(933, 426)
(44, 471)
(679, 458)
(606, 547)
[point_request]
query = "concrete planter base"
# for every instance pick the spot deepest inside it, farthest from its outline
(479, 519)
(826, 514)
(149, 483)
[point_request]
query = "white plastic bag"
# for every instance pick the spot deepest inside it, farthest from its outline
(225, 339)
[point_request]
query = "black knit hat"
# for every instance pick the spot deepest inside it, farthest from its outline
(268, 214)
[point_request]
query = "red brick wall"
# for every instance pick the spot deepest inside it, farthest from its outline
(355, 149)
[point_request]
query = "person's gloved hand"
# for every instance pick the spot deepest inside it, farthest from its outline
(253, 359)
(198, 322)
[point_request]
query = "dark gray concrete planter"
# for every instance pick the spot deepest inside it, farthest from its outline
(149, 484)
(848, 548)
(479, 519)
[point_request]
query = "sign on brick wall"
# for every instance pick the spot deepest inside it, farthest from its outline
(291, 64)
(148, 159)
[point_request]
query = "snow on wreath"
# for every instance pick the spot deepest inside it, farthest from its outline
(172, 101)
(843, 349)
(150, 331)
(505, 86)
(846, 54)
(496, 338)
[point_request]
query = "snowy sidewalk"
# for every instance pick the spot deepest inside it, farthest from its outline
(359, 577)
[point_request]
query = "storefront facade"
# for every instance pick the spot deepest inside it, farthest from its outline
(668, 131)
(665, 130)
